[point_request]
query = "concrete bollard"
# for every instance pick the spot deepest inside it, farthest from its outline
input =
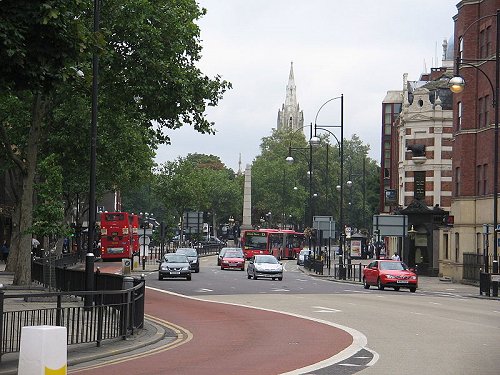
(43, 351)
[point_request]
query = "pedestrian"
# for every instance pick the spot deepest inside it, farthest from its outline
(395, 256)
(4, 250)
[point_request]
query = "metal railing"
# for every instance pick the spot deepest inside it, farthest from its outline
(116, 309)
(349, 271)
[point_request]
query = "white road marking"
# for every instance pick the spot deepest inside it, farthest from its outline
(349, 365)
(280, 290)
(325, 309)
(203, 290)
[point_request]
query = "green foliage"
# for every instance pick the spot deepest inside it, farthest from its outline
(199, 183)
(284, 189)
(48, 218)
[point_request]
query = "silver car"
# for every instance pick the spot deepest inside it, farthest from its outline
(303, 255)
(265, 266)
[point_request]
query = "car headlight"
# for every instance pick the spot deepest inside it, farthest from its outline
(390, 277)
(164, 268)
(413, 277)
(194, 261)
(185, 268)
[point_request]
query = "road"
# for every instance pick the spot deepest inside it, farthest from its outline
(401, 331)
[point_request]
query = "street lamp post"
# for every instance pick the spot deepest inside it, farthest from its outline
(89, 262)
(457, 85)
(145, 224)
(316, 140)
(290, 160)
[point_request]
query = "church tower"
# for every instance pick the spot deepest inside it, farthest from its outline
(290, 116)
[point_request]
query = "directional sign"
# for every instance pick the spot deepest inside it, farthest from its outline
(144, 240)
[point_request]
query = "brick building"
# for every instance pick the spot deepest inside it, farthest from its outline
(473, 148)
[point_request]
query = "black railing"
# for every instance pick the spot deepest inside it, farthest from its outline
(474, 264)
(350, 271)
(116, 310)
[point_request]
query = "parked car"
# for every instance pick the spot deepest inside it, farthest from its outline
(265, 266)
(302, 256)
(389, 273)
(174, 265)
(223, 251)
(192, 255)
(233, 258)
(212, 241)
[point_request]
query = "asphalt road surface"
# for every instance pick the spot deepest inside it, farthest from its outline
(336, 328)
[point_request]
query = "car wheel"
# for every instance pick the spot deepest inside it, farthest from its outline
(188, 278)
(248, 276)
(160, 277)
(365, 284)
(254, 276)
(380, 286)
(396, 288)
(413, 290)
(273, 278)
(197, 270)
(222, 268)
(242, 269)
(280, 278)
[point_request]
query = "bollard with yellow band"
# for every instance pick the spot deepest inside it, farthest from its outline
(43, 351)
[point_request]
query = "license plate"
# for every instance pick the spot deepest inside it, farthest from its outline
(402, 281)
(115, 250)
(175, 273)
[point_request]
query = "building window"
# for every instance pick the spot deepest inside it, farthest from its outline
(446, 246)
(480, 109)
(485, 179)
(461, 47)
(479, 237)
(457, 246)
(459, 115)
(485, 42)
(480, 172)
(486, 110)
(457, 182)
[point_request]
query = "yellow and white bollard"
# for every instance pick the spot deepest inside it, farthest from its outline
(43, 351)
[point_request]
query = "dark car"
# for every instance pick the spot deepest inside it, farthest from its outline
(192, 255)
(389, 273)
(174, 265)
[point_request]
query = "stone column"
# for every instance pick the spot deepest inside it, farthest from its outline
(247, 199)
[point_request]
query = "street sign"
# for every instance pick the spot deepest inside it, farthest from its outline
(391, 225)
(144, 240)
(326, 225)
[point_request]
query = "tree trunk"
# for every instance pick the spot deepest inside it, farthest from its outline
(22, 271)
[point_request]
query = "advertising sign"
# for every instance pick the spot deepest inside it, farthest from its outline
(355, 249)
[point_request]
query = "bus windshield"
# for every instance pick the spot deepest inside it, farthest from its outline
(256, 242)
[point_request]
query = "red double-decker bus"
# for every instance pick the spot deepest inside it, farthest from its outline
(280, 243)
(119, 235)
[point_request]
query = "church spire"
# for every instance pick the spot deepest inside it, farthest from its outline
(290, 116)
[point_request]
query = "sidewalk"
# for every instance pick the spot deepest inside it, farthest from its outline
(425, 283)
(80, 353)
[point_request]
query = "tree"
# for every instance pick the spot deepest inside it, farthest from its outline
(149, 81)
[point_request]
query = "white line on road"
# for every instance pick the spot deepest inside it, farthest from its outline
(203, 290)
(325, 309)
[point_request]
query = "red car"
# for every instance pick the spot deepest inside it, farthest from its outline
(233, 259)
(391, 273)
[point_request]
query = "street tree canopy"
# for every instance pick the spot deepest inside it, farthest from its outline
(149, 82)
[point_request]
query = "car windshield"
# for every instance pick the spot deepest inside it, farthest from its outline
(188, 252)
(266, 259)
(393, 266)
(233, 254)
(175, 258)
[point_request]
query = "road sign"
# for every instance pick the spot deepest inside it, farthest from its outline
(144, 240)
(326, 225)
(391, 225)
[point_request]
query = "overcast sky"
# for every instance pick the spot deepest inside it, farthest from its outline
(359, 48)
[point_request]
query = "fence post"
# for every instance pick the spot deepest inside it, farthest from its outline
(2, 297)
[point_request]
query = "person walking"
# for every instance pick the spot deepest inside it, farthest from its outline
(395, 257)
(4, 250)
